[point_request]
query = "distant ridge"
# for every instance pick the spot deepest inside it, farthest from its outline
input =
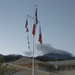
(58, 56)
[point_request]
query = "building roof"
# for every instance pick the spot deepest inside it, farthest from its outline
(27, 71)
(63, 62)
(26, 61)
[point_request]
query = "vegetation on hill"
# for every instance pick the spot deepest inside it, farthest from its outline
(13, 57)
(44, 58)
(4, 68)
(10, 58)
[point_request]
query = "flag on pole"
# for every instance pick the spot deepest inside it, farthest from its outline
(35, 23)
(28, 39)
(28, 42)
(40, 35)
(36, 19)
(26, 26)
(34, 27)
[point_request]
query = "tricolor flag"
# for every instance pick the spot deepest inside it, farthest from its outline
(26, 26)
(36, 19)
(40, 35)
(35, 23)
(33, 30)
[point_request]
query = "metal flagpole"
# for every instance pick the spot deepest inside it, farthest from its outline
(33, 44)
(34, 19)
(33, 47)
(33, 58)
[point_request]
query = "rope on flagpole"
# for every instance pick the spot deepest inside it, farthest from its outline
(32, 18)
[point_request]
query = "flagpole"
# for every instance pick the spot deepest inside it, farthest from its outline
(33, 58)
(33, 47)
(33, 42)
(35, 22)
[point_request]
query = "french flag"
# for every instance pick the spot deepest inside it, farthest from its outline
(40, 35)
(26, 26)
(35, 23)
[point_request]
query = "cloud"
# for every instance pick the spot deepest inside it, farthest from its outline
(28, 53)
(44, 49)
(47, 48)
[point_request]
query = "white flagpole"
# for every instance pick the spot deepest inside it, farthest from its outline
(33, 58)
(33, 47)
(33, 44)
(35, 6)
(33, 39)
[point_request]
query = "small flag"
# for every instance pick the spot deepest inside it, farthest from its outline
(35, 23)
(36, 19)
(40, 35)
(29, 47)
(28, 42)
(28, 39)
(26, 26)
(33, 31)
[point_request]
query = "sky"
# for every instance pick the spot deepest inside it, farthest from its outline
(57, 18)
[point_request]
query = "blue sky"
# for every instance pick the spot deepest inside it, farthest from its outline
(57, 21)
